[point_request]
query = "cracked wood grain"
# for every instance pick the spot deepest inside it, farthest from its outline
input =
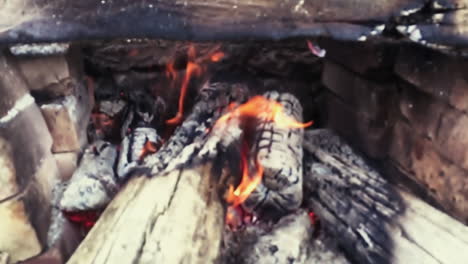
(171, 218)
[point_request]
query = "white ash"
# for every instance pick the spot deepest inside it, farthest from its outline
(39, 49)
(112, 107)
(20, 105)
(188, 138)
(279, 151)
(132, 150)
(93, 184)
(290, 240)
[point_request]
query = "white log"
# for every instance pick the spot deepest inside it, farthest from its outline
(171, 218)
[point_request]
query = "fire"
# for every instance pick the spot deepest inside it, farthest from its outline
(194, 68)
(259, 106)
(256, 107)
(248, 182)
(218, 56)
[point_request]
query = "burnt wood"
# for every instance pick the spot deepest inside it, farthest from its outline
(438, 22)
(373, 221)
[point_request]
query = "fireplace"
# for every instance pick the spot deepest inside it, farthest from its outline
(273, 142)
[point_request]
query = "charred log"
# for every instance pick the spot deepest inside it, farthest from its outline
(373, 221)
(278, 151)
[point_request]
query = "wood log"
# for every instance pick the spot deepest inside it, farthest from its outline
(172, 218)
(373, 221)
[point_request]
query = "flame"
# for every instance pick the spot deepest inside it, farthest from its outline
(217, 56)
(270, 110)
(194, 68)
(256, 107)
(248, 182)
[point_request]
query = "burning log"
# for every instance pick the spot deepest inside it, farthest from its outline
(278, 150)
(373, 221)
(173, 218)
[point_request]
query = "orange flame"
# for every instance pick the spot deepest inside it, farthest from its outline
(170, 71)
(217, 56)
(259, 106)
(193, 68)
(148, 148)
(248, 183)
(256, 107)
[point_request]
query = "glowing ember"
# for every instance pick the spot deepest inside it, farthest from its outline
(259, 106)
(85, 219)
(316, 50)
(217, 57)
(148, 148)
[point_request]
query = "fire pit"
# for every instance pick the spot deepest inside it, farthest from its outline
(233, 132)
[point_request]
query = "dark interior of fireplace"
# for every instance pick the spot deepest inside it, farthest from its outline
(393, 109)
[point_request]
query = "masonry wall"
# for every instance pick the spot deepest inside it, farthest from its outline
(405, 107)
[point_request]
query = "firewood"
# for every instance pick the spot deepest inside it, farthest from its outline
(213, 97)
(279, 151)
(172, 218)
(373, 221)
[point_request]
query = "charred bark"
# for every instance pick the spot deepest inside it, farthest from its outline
(373, 221)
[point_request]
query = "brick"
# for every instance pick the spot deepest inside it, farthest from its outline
(435, 73)
(18, 237)
(452, 138)
(423, 112)
(369, 136)
(371, 99)
(50, 74)
(443, 180)
(67, 119)
(66, 164)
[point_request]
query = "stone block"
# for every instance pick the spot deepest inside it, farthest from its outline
(67, 119)
(372, 100)
(435, 73)
(66, 164)
(452, 137)
(423, 112)
(51, 74)
(420, 160)
(367, 135)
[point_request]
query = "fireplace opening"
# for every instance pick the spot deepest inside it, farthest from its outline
(295, 151)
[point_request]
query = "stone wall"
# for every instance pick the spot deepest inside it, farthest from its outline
(405, 107)
(42, 130)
